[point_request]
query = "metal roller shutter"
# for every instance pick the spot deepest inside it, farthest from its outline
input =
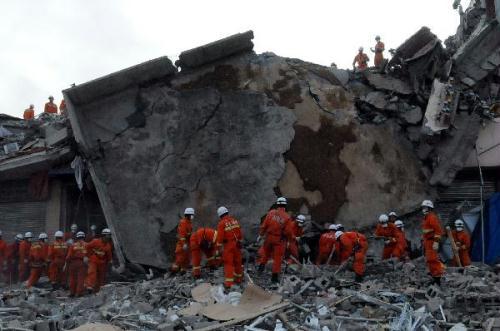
(22, 216)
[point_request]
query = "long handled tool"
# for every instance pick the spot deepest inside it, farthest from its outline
(454, 247)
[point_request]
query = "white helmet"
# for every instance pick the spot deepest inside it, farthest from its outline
(300, 218)
(93, 227)
(427, 203)
(399, 224)
(42, 235)
(332, 227)
(339, 226)
(19, 236)
(459, 224)
(59, 234)
(393, 213)
(74, 227)
(281, 201)
(383, 218)
(338, 234)
(189, 211)
(106, 231)
(222, 211)
(81, 234)
(361, 49)
(28, 235)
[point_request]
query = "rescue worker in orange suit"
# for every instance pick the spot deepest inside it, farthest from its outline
(353, 244)
(76, 265)
(29, 113)
(62, 107)
(57, 257)
(387, 232)
(328, 246)
(401, 249)
(100, 254)
(3, 256)
(432, 233)
(50, 107)
(361, 59)
(184, 231)
(294, 230)
(462, 240)
(37, 259)
(393, 217)
(24, 253)
(273, 229)
(12, 271)
(229, 239)
(203, 242)
(92, 234)
(69, 236)
(379, 52)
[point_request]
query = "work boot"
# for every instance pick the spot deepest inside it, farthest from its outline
(274, 278)
(437, 281)
(358, 279)
(261, 267)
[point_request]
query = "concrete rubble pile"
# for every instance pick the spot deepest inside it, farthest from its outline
(394, 296)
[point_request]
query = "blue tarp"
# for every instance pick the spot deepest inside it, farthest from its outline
(491, 233)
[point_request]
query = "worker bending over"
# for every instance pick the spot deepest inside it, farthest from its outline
(76, 265)
(353, 245)
(203, 242)
(229, 239)
(361, 59)
(432, 233)
(184, 230)
(56, 259)
(294, 231)
(37, 259)
(387, 232)
(100, 255)
(462, 240)
(328, 247)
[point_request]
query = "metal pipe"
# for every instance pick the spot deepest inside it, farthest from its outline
(482, 208)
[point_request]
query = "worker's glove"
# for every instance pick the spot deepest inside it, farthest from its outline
(217, 254)
(185, 247)
(297, 239)
(85, 260)
(435, 246)
(387, 241)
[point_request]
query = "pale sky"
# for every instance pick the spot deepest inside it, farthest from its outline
(47, 45)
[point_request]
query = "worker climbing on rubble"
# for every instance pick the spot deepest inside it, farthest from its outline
(76, 265)
(37, 259)
(24, 253)
(273, 230)
(56, 259)
(294, 230)
(3, 256)
(361, 59)
(400, 249)
(100, 256)
(184, 230)
(432, 233)
(393, 217)
(12, 257)
(353, 245)
(379, 52)
(71, 234)
(203, 242)
(92, 234)
(328, 247)
(462, 240)
(29, 113)
(229, 239)
(50, 107)
(387, 232)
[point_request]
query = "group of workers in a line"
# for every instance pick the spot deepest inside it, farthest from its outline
(49, 108)
(73, 259)
(361, 59)
(280, 236)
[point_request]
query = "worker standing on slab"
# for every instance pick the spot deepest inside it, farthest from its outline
(273, 230)
(50, 107)
(328, 250)
(353, 245)
(62, 107)
(229, 239)
(76, 265)
(203, 242)
(462, 240)
(400, 249)
(432, 233)
(361, 59)
(71, 234)
(37, 259)
(29, 113)
(387, 232)
(184, 230)
(12, 271)
(57, 257)
(294, 231)
(379, 52)
(24, 253)
(100, 255)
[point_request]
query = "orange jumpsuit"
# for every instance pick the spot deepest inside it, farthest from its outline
(400, 248)
(100, 254)
(3, 257)
(229, 237)
(50, 108)
(389, 233)
(24, 252)
(432, 232)
(12, 256)
(293, 232)
(77, 269)
(89, 237)
(203, 241)
(57, 256)
(184, 230)
(62, 107)
(462, 240)
(273, 227)
(327, 243)
(29, 114)
(362, 60)
(38, 261)
(354, 243)
(379, 54)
